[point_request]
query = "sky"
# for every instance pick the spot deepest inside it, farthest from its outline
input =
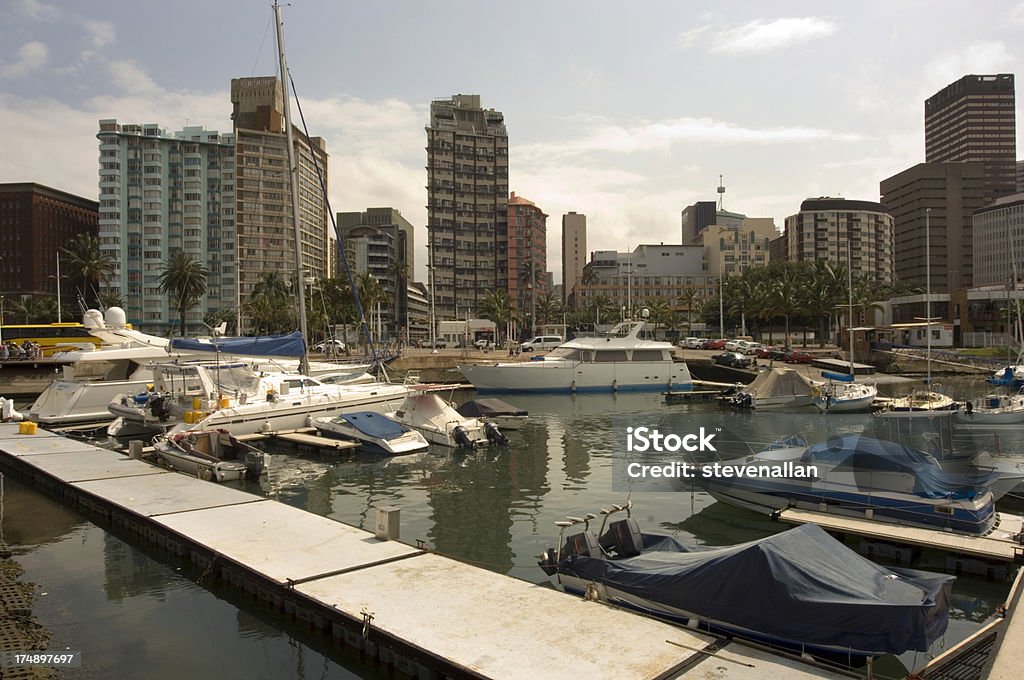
(626, 112)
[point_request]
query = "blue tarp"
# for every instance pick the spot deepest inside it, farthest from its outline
(800, 585)
(837, 377)
(1005, 379)
(290, 345)
(867, 454)
(373, 424)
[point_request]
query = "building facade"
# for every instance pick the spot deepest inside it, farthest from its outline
(380, 241)
(932, 205)
(162, 193)
(527, 253)
(998, 236)
(574, 254)
(467, 204)
(265, 228)
(730, 251)
(974, 120)
(648, 273)
(36, 222)
(858, 233)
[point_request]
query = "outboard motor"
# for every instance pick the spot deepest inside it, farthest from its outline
(624, 537)
(461, 437)
(549, 561)
(160, 408)
(494, 435)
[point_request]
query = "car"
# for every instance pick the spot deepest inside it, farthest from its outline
(440, 343)
(691, 343)
(732, 345)
(484, 343)
(713, 344)
(748, 347)
(796, 356)
(732, 359)
(763, 352)
(541, 342)
(328, 345)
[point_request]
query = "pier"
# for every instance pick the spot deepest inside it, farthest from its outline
(425, 615)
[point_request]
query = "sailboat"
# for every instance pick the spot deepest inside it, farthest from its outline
(841, 394)
(923, 403)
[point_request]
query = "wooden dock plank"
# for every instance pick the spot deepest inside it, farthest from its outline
(281, 542)
(149, 495)
(320, 442)
(996, 547)
(502, 627)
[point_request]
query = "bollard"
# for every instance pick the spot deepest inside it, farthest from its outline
(387, 522)
(135, 449)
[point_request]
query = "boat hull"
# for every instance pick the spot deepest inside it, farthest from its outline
(575, 376)
(66, 402)
(407, 443)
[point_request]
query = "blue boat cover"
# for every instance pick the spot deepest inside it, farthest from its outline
(479, 408)
(290, 345)
(373, 424)
(837, 377)
(800, 585)
(867, 454)
(1005, 379)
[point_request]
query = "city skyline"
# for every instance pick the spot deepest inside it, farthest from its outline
(627, 116)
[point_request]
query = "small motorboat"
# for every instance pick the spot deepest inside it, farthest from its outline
(440, 423)
(842, 395)
(374, 432)
(212, 455)
(991, 410)
(779, 387)
(501, 413)
(811, 594)
(920, 404)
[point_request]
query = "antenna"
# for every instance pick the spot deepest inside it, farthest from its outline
(721, 193)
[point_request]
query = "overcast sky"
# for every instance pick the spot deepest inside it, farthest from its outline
(624, 112)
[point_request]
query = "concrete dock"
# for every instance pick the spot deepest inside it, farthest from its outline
(425, 615)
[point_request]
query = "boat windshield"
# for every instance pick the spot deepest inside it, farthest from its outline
(239, 379)
(569, 353)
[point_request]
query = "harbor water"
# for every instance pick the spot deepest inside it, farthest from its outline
(137, 613)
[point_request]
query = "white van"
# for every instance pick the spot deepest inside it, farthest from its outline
(541, 342)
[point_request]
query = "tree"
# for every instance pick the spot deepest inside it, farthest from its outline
(84, 260)
(399, 269)
(268, 305)
(496, 306)
(549, 307)
(183, 279)
(370, 293)
(688, 299)
(532, 276)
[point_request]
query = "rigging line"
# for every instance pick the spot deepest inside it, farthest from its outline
(259, 51)
(334, 223)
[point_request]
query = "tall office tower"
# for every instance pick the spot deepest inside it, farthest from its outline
(380, 241)
(35, 223)
(574, 254)
(973, 119)
(953, 191)
(162, 193)
(839, 230)
(998, 243)
(266, 231)
(527, 253)
(467, 204)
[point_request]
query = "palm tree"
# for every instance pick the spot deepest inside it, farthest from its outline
(268, 305)
(183, 278)
(495, 306)
(399, 269)
(532, 277)
(370, 293)
(85, 260)
(824, 293)
(688, 299)
(548, 307)
(782, 294)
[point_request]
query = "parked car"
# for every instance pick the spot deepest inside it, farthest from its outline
(484, 343)
(541, 342)
(328, 345)
(691, 343)
(748, 347)
(713, 344)
(763, 352)
(733, 359)
(796, 356)
(732, 345)
(440, 343)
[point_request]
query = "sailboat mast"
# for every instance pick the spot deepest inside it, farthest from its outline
(928, 291)
(293, 176)
(849, 300)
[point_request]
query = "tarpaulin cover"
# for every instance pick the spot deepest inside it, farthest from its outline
(481, 408)
(799, 586)
(290, 345)
(373, 424)
(780, 382)
(867, 454)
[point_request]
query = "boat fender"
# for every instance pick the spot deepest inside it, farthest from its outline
(615, 386)
(205, 474)
(461, 437)
(573, 387)
(494, 435)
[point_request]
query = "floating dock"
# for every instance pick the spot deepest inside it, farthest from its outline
(999, 544)
(425, 615)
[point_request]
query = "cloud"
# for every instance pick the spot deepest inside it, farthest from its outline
(1015, 15)
(759, 35)
(99, 33)
(658, 135)
(130, 77)
(35, 10)
(980, 57)
(30, 56)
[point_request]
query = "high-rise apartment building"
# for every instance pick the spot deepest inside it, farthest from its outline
(265, 227)
(380, 241)
(162, 193)
(36, 222)
(527, 253)
(843, 231)
(467, 204)
(952, 191)
(999, 242)
(973, 119)
(574, 254)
